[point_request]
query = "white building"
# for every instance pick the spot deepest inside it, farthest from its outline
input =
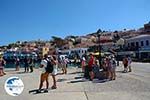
(140, 44)
(79, 51)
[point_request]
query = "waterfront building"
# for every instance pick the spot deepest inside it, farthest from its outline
(75, 51)
(140, 45)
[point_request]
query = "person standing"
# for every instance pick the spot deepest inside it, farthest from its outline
(54, 73)
(17, 63)
(59, 62)
(31, 65)
(90, 66)
(95, 70)
(125, 63)
(2, 64)
(45, 66)
(109, 68)
(129, 63)
(114, 65)
(64, 65)
(26, 64)
(83, 64)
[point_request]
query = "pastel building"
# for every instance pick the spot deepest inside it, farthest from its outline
(140, 44)
(79, 51)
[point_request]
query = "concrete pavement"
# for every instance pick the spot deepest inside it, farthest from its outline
(131, 86)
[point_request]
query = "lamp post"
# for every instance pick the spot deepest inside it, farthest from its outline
(99, 32)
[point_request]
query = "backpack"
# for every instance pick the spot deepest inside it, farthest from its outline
(114, 62)
(49, 67)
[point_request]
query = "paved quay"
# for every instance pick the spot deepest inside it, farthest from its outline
(127, 86)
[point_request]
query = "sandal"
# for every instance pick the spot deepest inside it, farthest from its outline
(46, 91)
(38, 91)
(53, 87)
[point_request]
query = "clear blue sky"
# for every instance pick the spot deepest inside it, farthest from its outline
(41, 19)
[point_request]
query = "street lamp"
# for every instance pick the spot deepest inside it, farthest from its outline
(99, 32)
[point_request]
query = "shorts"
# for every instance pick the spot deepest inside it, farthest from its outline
(54, 71)
(44, 76)
(64, 66)
(125, 65)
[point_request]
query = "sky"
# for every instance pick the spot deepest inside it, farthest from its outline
(25, 20)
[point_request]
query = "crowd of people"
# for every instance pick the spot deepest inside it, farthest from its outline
(89, 64)
(93, 69)
(107, 70)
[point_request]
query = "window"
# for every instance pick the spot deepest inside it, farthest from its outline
(132, 43)
(82, 51)
(147, 43)
(137, 44)
(79, 51)
(128, 44)
(142, 44)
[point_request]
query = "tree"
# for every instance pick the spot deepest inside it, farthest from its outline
(99, 31)
(124, 29)
(57, 41)
(12, 45)
(71, 36)
(18, 42)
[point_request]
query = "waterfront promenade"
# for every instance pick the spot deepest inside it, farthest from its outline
(127, 86)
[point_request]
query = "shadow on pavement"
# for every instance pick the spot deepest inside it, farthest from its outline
(23, 72)
(100, 81)
(10, 70)
(35, 91)
(20, 72)
(120, 72)
(61, 80)
(75, 72)
(78, 77)
(77, 81)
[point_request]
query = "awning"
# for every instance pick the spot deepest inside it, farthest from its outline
(97, 54)
(144, 51)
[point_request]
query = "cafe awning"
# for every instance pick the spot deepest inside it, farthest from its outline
(97, 54)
